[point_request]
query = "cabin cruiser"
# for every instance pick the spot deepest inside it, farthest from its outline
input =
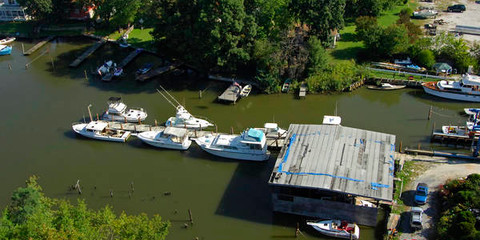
(336, 228)
(171, 138)
(99, 130)
(250, 145)
(106, 67)
(184, 119)
(272, 130)
(467, 89)
(117, 111)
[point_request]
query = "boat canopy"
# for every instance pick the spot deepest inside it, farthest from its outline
(177, 132)
(96, 125)
(182, 113)
(470, 79)
(117, 107)
(255, 134)
(270, 126)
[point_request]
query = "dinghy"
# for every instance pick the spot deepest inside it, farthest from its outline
(7, 40)
(336, 228)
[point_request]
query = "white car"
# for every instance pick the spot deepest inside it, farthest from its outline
(416, 218)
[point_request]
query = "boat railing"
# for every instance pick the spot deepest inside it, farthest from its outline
(75, 123)
(206, 119)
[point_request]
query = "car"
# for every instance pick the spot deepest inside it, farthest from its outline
(456, 8)
(421, 194)
(416, 218)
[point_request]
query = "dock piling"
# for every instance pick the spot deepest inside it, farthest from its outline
(85, 72)
(10, 66)
(430, 112)
(200, 94)
(190, 216)
(111, 193)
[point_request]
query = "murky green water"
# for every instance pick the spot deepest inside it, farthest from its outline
(228, 199)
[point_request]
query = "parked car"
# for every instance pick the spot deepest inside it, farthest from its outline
(416, 218)
(421, 194)
(456, 8)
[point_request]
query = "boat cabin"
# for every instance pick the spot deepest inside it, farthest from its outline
(177, 135)
(254, 139)
(96, 126)
(116, 106)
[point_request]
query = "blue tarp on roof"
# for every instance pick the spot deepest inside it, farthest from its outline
(255, 134)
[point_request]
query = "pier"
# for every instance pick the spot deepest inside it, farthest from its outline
(158, 71)
(231, 94)
(129, 58)
(87, 53)
(38, 45)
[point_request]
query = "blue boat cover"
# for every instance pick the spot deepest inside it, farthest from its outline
(255, 134)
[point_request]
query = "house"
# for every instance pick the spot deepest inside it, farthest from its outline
(10, 10)
(80, 13)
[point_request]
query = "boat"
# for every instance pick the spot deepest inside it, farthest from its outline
(118, 71)
(455, 130)
(336, 228)
(406, 61)
(105, 68)
(250, 145)
(5, 50)
(7, 40)
(183, 118)
(286, 85)
(122, 42)
(99, 130)
(144, 69)
(117, 111)
(386, 86)
(246, 91)
(171, 138)
(331, 120)
(272, 130)
(471, 111)
(466, 89)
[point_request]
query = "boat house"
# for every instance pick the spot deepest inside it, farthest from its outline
(334, 172)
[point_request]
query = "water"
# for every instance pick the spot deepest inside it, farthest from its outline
(229, 199)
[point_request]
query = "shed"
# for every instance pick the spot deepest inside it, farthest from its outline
(442, 68)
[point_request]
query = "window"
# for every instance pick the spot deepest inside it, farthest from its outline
(9, 13)
(12, 2)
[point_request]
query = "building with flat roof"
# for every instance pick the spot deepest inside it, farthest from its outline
(332, 171)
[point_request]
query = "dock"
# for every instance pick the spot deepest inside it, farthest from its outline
(231, 94)
(129, 58)
(456, 139)
(303, 90)
(157, 72)
(87, 53)
(38, 45)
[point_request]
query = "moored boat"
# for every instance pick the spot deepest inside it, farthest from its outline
(386, 86)
(118, 71)
(286, 85)
(99, 130)
(117, 111)
(467, 89)
(105, 68)
(246, 90)
(5, 50)
(471, 111)
(144, 69)
(250, 145)
(336, 228)
(184, 119)
(272, 130)
(171, 138)
(7, 40)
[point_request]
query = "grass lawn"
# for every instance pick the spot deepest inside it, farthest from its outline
(23, 28)
(402, 76)
(140, 38)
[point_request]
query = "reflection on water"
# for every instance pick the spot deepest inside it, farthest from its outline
(229, 199)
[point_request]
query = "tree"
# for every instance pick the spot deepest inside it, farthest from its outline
(425, 58)
(449, 48)
(31, 215)
(125, 12)
(318, 56)
(38, 9)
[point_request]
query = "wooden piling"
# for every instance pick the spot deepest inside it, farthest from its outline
(430, 113)
(23, 49)
(10, 66)
(297, 230)
(400, 150)
(200, 94)
(216, 129)
(156, 123)
(190, 216)
(111, 193)
(85, 72)
(98, 117)
(419, 145)
(231, 130)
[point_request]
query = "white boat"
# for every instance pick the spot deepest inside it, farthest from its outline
(471, 111)
(117, 111)
(7, 40)
(99, 130)
(467, 89)
(105, 68)
(250, 145)
(171, 138)
(246, 91)
(118, 71)
(183, 119)
(386, 86)
(272, 130)
(331, 120)
(336, 228)
(455, 130)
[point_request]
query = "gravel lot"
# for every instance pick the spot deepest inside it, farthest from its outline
(433, 177)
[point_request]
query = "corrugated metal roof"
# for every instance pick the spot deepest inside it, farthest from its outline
(337, 158)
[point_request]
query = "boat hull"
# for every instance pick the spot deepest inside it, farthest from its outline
(237, 155)
(165, 143)
(202, 124)
(450, 95)
(6, 51)
(324, 228)
(117, 118)
(386, 89)
(79, 129)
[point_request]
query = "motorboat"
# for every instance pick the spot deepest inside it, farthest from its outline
(99, 130)
(455, 130)
(467, 89)
(272, 130)
(471, 111)
(331, 120)
(123, 41)
(286, 85)
(106, 67)
(386, 86)
(7, 40)
(5, 50)
(118, 71)
(336, 228)
(184, 119)
(171, 138)
(117, 111)
(250, 145)
(144, 69)
(246, 91)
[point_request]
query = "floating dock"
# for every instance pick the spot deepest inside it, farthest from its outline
(38, 45)
(157, 72)
(232, 94)
(87, 53)
(129, 58)
(303, 91)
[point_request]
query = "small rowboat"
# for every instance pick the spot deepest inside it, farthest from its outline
(386, 86)
(336, 228)
(7, 40)
(5, 50)
(246, 91)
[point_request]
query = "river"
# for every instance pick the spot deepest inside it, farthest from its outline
(228, 199)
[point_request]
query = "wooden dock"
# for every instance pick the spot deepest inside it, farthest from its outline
(231, 94)
(87, 53)
(129, 58)
(158, 71)
(38, 45)
(464, 140)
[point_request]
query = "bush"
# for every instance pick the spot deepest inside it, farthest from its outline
(426, 58)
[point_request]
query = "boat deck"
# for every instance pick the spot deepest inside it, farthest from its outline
(231, 94)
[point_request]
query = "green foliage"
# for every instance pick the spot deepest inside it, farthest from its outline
(38, 9)
(268, 81)
(335, 77)
(425, 58)
(318, 57)
(125, 12)
(454, 50)
(31, 215)
(404, 16)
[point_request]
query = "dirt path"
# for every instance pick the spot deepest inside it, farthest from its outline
(433, 177)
